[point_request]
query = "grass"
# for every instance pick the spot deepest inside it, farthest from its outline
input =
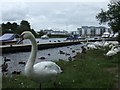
(89, 70)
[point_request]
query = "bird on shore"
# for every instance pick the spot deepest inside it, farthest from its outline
(6, 59)
(4, 67)
(83, 49)
(111, 53)
(114, 50)
(40, 72)
(21, 63)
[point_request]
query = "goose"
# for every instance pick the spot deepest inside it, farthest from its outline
(43, 71)
(4, 67)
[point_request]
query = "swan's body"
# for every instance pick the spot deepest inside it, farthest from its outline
(91, 46)
(44, 71)
(40, 72)
(114, 50)
(111, 53)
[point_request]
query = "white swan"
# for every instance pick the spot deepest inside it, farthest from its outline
(40, 72)
(91, 46)
(111, 53)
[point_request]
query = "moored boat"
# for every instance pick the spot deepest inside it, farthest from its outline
(8, 39)
(44, 37)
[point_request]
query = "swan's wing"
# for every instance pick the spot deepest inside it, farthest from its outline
(47, 67)
(53, 67)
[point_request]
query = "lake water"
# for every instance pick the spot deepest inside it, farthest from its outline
(52, 54)
(50, 40)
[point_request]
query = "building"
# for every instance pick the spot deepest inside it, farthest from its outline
(93, 31)
(55, 32)
(59, 33)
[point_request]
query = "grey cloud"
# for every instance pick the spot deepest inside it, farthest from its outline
(48, 15)
(13, 12)
(13, 16)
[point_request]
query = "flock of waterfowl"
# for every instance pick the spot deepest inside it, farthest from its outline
(113, 46)
(48, 70)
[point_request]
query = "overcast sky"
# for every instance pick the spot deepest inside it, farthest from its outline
(60, 15)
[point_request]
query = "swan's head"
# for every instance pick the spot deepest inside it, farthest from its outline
(25, 35)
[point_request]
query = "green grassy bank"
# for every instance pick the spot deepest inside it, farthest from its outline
(88, 70)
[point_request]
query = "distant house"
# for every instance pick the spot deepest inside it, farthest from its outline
(59, 32)
(53, 32)
(93, 31)
(47, 31)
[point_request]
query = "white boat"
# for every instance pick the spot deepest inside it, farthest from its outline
(106, 35)
(8, 39)
(44, 37)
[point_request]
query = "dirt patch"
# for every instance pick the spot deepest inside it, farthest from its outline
(112, 70)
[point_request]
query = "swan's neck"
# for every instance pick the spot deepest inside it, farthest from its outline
(31, 60)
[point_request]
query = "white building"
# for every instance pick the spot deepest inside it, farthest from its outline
(53, 32)
(93, 31)
(59, 32)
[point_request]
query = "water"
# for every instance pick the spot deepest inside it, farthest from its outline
(49, 54)
(50, 40)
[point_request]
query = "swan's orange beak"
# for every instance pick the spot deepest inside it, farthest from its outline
(21, 39)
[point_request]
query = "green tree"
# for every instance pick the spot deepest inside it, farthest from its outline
(17, 29)
(33, 32)
(14, 27)
(9, 27)
(21, 29)
(111, 16)
(24, 26)
(26, 23)
(6, 28)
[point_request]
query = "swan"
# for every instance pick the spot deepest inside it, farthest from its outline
(40, 72)
(112, 52)
(91, 46)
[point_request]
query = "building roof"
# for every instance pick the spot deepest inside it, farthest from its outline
(106, 33)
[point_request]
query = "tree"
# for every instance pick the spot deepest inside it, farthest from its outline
(9, 27)
(24, 26)
(111, 16)
(14, 26)
(21, 29)
(17, 29)
(26, 23)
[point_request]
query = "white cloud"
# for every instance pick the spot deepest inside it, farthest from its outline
(55, 0)
(53, 14)
(13, 11)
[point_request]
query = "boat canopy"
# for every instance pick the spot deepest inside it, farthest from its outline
(7, 37)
